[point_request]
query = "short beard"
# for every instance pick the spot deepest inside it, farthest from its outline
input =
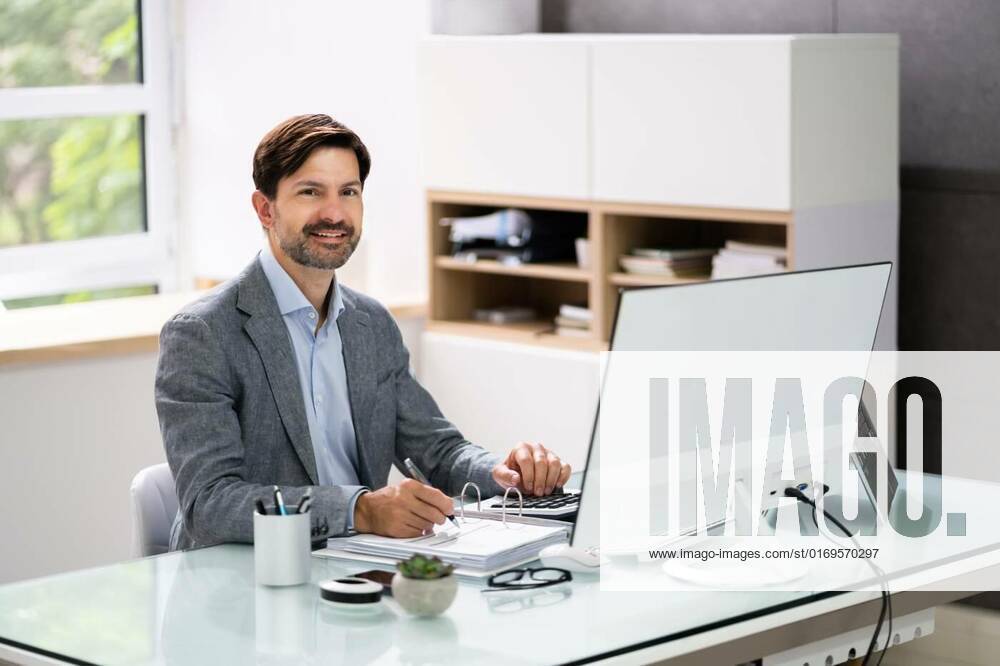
(300, 252)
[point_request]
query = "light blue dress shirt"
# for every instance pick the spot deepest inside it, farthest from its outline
(319, 359)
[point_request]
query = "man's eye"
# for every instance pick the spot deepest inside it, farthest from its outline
(308, 192)
(350, 192)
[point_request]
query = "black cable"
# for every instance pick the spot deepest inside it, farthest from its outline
(889, 638)
(886, 595)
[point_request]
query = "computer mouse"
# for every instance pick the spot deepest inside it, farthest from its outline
(577, 560)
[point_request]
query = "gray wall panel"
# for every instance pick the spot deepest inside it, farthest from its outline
(712, 16)
(554, 16)
(949, 296)
(950, 76)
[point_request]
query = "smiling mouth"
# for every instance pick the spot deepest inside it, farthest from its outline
(332, 235)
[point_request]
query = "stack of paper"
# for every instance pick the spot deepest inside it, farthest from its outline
(689, 262)
(739, 259)
(574, 320)
(478, 544)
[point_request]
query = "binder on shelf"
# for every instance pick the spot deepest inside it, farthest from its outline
(482, 544)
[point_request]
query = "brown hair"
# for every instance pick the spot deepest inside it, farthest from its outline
(286, 147)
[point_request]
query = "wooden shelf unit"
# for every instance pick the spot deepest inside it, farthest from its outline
(458, 287)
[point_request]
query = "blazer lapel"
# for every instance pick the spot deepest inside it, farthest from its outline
(267, 330)
(360, 365)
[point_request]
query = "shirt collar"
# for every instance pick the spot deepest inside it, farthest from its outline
(288, 295)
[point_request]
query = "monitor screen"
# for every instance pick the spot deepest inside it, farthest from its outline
(834, 309)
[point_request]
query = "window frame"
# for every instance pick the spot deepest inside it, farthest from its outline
(142, 258)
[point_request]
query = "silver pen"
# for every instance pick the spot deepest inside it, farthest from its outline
(415, 472)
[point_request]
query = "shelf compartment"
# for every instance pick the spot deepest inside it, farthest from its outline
(572, 222)
(463, 292)
(623, 233)
(560, 271)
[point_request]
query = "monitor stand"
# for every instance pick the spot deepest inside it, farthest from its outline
(732, 573)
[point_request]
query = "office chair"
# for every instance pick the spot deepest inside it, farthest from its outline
(154, 505)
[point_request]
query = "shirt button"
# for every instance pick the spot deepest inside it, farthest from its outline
(312, 315)
(319, 398)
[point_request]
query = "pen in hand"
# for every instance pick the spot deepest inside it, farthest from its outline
(415, 472)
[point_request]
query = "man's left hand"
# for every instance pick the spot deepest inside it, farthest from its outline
(532, 469)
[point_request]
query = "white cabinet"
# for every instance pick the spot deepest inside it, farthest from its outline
(773, 122)
(505, 115)
(499, 394)
(762, 122)
(700, 122)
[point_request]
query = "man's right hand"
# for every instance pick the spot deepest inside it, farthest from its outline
(405, 510)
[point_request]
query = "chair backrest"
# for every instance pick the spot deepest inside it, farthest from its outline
(154, 506)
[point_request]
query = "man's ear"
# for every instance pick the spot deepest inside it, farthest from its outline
(264, 209)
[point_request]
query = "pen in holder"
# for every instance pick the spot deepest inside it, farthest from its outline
(281, 547)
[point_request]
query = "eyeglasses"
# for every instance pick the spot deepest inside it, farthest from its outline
(527, 579)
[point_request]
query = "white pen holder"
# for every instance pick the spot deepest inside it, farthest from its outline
(281, 548)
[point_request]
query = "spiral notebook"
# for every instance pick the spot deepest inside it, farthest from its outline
(482, 543)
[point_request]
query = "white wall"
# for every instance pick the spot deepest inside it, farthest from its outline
(72, 436)
(249, 64)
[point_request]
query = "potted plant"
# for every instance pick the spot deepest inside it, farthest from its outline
(424, 585)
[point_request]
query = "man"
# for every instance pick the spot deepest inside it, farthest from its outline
(283, 376)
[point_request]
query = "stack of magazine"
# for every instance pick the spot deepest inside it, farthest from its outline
(684, 262)
(574, 320)
(739, 259)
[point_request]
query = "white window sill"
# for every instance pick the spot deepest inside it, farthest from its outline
(102, 328)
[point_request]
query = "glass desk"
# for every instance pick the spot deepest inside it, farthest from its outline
(202, 607)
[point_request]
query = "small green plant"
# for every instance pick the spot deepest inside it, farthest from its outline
(424, 568)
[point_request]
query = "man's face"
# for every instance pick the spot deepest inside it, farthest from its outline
(316, 213)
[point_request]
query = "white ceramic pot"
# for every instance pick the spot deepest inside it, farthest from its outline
(424, 597)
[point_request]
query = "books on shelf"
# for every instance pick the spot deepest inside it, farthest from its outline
(668, 262)
(574, 320)
(778, 251)
(674, 253)
(739, 259)
(569, 322)
(579, 312)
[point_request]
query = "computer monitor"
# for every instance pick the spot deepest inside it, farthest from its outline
(835, 309)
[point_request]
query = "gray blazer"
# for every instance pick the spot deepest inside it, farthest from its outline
(233, 417)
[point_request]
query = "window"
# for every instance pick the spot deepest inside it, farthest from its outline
(86, 208)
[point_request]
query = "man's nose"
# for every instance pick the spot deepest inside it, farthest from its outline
(333, 210)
